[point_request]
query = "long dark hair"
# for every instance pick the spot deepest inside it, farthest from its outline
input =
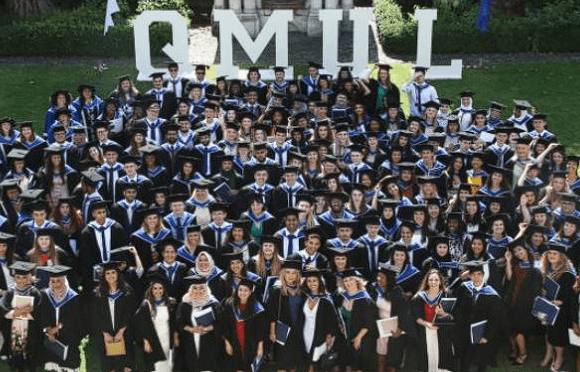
(234, 301)
(102, 289)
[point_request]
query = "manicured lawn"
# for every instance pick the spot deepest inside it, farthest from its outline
(550, 87)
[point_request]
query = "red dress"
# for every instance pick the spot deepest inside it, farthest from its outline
(240, 329)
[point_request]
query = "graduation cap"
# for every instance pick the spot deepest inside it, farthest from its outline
(22, 268)
(82, 87)
(175, 198)
(388, 269)
(573, 220)
(496, 105)
(314, 231)
(32, 194)
(62, 111)
(247, 283)
(234, 256)
(384, 66)
(421, 69)
(424, 147)
(47, 232)
(99, 204)
(193, 229)
(434, 241)
(573, 158)
(466, 93)
(17, 154)
(24, 124)
(475, 265)
(127, 159)
(166, 242)
(156, 75)
(313, 272)
(445, 101)
(92, 177)
(544, 230)
(7, 119)
(149, 149)
(432, 104)
(195, 279)
(54, 150)
(101, 124)
(522, 104)
(314, 64)
(352, 272)
(277, 241)
(305, 197)
(6, 238)
(555, 246)
(279, 94)
(122, 78)
(337, 195)
(481, 112)
(519, 242)
(56, 271)
(343, 222)
(292, 264)
(260, 146)
(290, 212)
(201, 67)
(218, 206)
(371, 219)
(540, 116)
(524, 140)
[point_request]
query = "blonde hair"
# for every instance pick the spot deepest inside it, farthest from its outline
(283, 285)
(564, 264)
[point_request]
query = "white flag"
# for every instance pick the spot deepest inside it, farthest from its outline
(112, 7)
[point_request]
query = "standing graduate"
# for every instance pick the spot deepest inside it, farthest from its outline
(24, 325)
(111, 316)
(476, 302)
(169, 268)
(284, 306)
(61, 321)
(244, 327)
(321, 327)
(434, 352)
(157, 333)
(199, 344)
(359, 314)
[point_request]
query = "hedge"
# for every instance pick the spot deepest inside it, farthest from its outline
(555, 28)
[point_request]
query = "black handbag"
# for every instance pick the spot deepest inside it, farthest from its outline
(329, 360)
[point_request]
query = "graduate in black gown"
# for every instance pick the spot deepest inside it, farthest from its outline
(284, 305)
(359, 314)
(244, 327)
(24, 334)
(434, 350)
(321, 322)
(111, 316)
(6, 282)
(157, 332)
(476, 302)
(556, 266)
(169, 268)
(200, 346)
(61, 320)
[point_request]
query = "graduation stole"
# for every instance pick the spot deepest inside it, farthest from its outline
(155, 172)
(152, 239)
(486, 290)
(70, 294)
(116, 295)
(280, 87)
(250, 214)
(184, 253)
(256, 309)
(215, 272)
(390, 231)
(357, 296)
(170, 271)
(429, 301)
(406, 273)
(199, 204)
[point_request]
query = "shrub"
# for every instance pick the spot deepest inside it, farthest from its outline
(179, 5)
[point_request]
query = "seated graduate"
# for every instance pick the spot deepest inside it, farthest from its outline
(477, 302)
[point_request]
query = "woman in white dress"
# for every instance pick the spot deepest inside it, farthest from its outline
(156, 332)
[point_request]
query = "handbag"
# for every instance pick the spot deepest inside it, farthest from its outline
(329, 360)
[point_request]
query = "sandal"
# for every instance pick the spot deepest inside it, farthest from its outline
(521, 359)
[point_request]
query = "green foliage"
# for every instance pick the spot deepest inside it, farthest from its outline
(76, 33)
(179, 5)
(454, 30)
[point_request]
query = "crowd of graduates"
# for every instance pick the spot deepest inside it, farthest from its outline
(236, 225)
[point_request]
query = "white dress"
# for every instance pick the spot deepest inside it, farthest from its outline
(309, 324)
(161, 324)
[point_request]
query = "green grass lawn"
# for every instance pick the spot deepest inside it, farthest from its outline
(550, 87)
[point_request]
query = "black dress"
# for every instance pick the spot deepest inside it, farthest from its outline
(363, 314)
(558, 333)
(519, 294)
(255, 330)
(204, 354)
(102, 321)
(288, 356)
(72, 329)
(146, 330)
(444, 338)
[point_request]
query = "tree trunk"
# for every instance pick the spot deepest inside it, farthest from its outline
(25, 8)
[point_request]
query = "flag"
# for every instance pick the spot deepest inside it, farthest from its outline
(482, 22)
(112, 7)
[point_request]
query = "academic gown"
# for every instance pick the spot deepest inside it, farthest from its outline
(101, 321)
(255, 330)
(90, 253)
(144, 243)
(444, 339)
(33, 336)
(558, 333)
(519, 299)
(119, 213)
(288, 356)
(210, 345)
(73, 326)
(326, 322)
(176, 286)
(363, 314)
(215, 282)
(146, 331)
(471, 309)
